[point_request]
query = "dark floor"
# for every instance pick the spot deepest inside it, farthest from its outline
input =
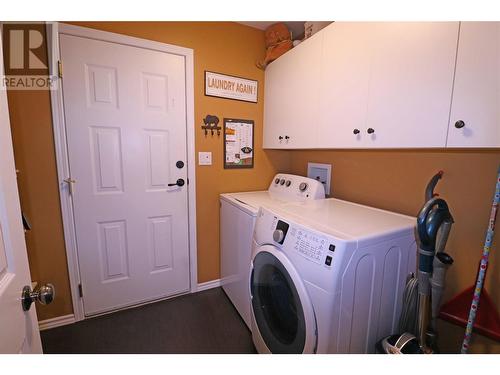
(205, 322)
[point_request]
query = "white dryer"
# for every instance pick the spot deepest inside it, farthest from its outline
(328, 277)
(237, 219)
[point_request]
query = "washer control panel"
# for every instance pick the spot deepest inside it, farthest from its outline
(309, 245)
(290, 237)
(312, 246)
(296, 188)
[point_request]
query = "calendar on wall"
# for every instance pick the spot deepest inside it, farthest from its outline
(238, 143)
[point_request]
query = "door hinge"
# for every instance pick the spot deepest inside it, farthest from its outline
(80, 290)
(59, 69)
(71, 185)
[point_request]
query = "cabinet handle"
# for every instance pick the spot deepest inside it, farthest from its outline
(370, 131)
(280, 137)
(287, 137)
(459, 124)
(355, 131)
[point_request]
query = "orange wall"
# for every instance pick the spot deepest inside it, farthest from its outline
(396, 181)
(223, 47)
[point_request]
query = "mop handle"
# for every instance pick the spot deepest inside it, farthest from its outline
(482, 269)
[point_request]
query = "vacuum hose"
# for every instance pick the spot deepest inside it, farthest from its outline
(432, 215)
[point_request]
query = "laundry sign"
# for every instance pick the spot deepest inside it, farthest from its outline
(230, 87)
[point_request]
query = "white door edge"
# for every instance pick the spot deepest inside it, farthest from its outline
(60, 142)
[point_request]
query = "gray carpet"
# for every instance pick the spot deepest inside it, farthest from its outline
(205, 322)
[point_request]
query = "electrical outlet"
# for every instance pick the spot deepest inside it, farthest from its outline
(204, 158)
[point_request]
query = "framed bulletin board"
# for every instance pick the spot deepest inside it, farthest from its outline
(238, 143)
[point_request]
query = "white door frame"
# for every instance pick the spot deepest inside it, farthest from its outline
(59, 128)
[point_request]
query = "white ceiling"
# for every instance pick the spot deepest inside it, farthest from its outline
(296, 27)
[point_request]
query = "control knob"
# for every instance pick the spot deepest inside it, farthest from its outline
(282, 181)
(278, 235)
(303, 186)
(288, 183)
(277, 181)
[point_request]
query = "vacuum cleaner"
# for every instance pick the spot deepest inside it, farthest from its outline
(423, 293)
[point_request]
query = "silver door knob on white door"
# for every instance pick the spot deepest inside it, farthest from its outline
(44, 294)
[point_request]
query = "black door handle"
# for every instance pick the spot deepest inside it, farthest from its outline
(179, 182)
(370, 131)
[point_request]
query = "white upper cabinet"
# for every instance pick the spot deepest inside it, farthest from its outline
(291, 97)
(344, 84)
(411, 82)
(475, 110)
(387, 85)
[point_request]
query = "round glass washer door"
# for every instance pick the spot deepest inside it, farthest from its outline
(281, 305)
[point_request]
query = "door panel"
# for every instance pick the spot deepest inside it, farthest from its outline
(344, 84)
(18, 329)
(410, 84)
(291, 96)
(476, 94)
(126, 128)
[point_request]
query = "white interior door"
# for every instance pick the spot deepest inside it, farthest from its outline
(18, 329)
(125, 115)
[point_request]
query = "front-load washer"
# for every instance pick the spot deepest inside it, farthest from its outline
(237, 220)
(328, 277)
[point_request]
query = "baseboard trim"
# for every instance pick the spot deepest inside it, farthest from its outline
(208, 285)
(56, 322)
(70, 318)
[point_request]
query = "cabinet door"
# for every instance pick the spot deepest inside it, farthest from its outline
(344, 84)
(411, 84)
(291, 96)
(476, 96)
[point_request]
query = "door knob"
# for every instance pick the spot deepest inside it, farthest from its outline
(44, 294)
(179, 182)
(459, 124)
(278, 235)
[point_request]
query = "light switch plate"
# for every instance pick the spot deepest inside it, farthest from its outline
(322, 173)
(204, 158)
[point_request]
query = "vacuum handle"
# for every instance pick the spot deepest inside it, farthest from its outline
(429, 190)
(427, 229)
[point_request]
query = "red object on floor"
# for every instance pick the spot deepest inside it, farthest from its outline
(487, 322)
